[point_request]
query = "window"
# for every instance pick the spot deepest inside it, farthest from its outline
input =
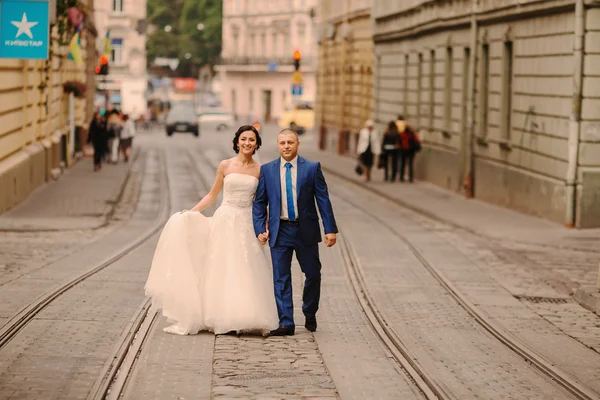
(117, 51)
(117, 5)
(284, 97)
(301, 32)
(234, 45)
(405, 111)
(465, 88)
(274, 45)
(448, 92)
(263, 44)
(506, 107)
(431, 89)
(484, 90)
(251, 45)
(251, 100)
(282, 43)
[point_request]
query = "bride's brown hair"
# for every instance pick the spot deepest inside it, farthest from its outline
(242, 129)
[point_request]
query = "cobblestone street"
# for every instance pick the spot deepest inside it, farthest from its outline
(425, 301)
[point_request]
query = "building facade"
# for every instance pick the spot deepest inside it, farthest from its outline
(505, 95)
(259, 41)
(345, 73)
(123, 21)
(39, 121)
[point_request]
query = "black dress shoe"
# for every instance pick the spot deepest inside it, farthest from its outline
(311, 323)
(283, 331)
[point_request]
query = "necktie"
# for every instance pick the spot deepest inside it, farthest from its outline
(289, 194)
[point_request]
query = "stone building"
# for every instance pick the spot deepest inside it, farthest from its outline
(505, 94)
(345, 72)
(259, 40)
(37, 119)
(124, 20)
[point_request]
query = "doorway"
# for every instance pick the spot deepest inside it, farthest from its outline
(267, 101)
(234, 104)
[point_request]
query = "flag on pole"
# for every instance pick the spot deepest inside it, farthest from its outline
(107, 49)
(75, 50)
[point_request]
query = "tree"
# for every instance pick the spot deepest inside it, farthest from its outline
(204, 45)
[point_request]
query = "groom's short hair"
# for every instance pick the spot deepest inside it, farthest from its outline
(289, 131)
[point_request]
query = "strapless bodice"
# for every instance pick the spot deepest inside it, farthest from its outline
(239, 190)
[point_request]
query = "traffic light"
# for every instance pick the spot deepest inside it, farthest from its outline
(297, 58)
(102, 69)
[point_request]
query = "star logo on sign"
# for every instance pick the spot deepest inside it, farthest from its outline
(24, 27)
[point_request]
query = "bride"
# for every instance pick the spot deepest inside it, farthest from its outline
(211, 273)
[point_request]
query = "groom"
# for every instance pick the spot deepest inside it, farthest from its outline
(289, 186)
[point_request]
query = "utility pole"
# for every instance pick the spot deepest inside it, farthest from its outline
(469, 135)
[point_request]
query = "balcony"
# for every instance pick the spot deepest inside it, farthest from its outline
(259, 64)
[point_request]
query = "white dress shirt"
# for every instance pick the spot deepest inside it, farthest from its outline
(294, 171)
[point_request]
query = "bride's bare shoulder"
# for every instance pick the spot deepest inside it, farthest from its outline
(224, 165)
(226, 162)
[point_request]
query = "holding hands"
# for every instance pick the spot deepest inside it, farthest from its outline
(263, 237)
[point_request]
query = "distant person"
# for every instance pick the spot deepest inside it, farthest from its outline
(390, 148)
(410, 144)
(97, 136)
(369, 145)
(113, 129)
(400, 123)
(127, 134)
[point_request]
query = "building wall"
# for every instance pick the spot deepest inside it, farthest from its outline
(520, 105)
(127, 73)
(34, 115)
(259, 33)
(242, 93)
(588, 189)
(345, 73)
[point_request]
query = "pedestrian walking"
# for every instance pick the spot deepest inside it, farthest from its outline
(390, 149)
(369, 146)
(98, 137)
(127, 134)
(410, 144)
(114, 131)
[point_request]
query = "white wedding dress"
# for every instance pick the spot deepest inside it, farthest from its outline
(211, 273)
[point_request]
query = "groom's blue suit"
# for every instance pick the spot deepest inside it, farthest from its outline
(302, 237)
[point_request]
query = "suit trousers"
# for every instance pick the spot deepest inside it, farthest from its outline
(288, 241)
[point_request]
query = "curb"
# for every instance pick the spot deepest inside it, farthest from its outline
(588, 297)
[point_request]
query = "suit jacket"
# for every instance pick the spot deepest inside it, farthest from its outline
(311, 189)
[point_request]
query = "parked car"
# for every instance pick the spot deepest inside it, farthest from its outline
(217, 118)
(299, 117)
(182, 119)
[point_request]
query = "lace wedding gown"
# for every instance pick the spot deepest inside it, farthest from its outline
(211, 273)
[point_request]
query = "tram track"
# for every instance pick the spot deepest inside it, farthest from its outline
(115, 381)
(20, 319)
(429, 386)
(402, 354)
(130, 348)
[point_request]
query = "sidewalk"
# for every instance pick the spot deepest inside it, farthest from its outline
(80, 199)
(471, 214)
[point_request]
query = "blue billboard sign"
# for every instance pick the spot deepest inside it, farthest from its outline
(24, 29)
